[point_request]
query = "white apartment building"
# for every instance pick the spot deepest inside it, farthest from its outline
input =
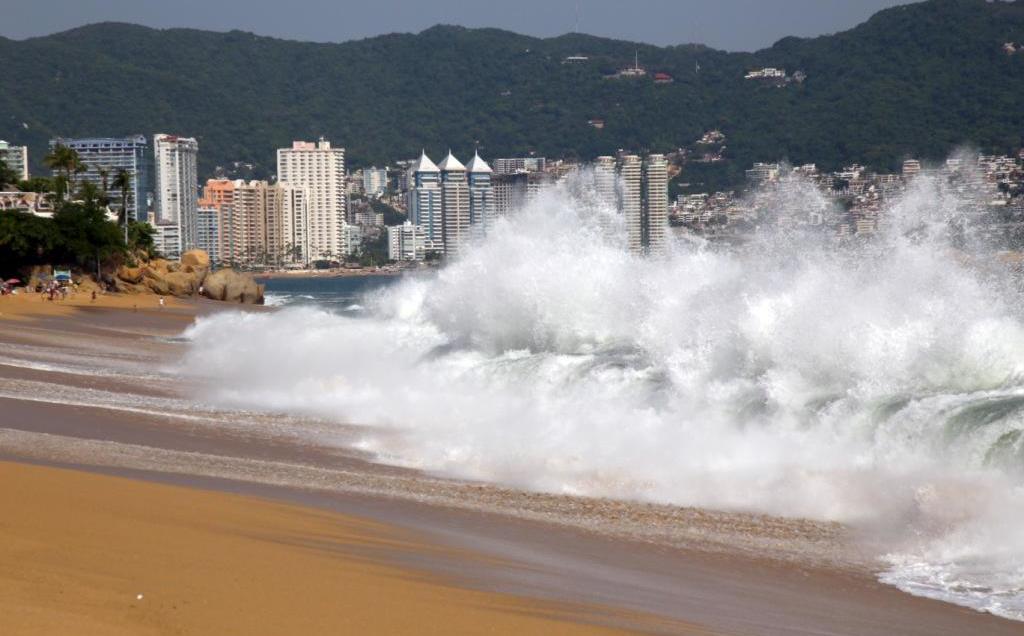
(406, 242)
(176, 194)
(425, 202)
(208, 231)
(630, 200)
(16, 158)
(293, 206)
(454, 205)
(482, 215)
(320, 170)
(655, 204)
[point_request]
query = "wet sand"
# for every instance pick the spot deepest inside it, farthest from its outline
(90, 554)
(728, 573)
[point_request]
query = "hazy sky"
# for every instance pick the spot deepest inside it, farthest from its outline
(738, 25)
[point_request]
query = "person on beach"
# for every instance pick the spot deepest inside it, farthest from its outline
(161, 302)
(94, 295)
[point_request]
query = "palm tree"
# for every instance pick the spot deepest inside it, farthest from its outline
(123, 183)
(67, 163)
(104, 173)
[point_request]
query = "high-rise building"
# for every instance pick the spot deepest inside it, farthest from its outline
(454, 204)
(605, 182)
(510, 192)
(249, 223)
(654, 216)
(406, 242)
(630, 200)
(208, 231)
(104, 157)
(319, 169)
(481, 196)
(176, 195)
(425, 202)
(259, 223)
(291, 203)
(219, 195)
(16, 158)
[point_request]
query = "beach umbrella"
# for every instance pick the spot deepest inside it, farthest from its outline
(62, 277)
(12, 281)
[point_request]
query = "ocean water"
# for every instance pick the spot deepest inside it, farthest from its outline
(879, 384)
(341, 294)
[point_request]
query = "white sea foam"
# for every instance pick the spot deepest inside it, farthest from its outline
(881, 385)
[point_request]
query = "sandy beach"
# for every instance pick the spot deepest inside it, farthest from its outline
(235, 522)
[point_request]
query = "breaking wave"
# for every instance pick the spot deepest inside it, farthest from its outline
(876, 383)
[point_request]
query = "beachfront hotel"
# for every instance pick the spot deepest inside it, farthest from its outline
(451, 201)
(104, 157)
(176, 195)
(319, 169)
(16, 158)
(425, 202)
(261, 223)
(481, 196)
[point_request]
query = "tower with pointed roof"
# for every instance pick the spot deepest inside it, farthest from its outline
(454, 204)
(425, 202)
(481, 196)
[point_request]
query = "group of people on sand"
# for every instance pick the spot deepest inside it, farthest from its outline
(52, 290)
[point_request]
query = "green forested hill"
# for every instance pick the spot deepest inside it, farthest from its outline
(913, 80)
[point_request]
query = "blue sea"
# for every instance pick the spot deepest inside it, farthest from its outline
(339, 294)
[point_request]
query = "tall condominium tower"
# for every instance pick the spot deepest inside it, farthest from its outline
(510, 191)
(177, 192)
(605, 183)
(654, 223)
(425, 202)
(454, 204)
(320, 170)
(16, 158)
(291, 205)
(104, 157)
(482, 213)
(219, 195)
(208, 231)
(630, 178)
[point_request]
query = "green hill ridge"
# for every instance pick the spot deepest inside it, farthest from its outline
(914, 80)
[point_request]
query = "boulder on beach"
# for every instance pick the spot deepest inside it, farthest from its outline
(196, 259)
(130, 274)
(233, 287)
(182, 283)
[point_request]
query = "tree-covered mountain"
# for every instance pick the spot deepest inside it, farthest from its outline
(913, 80)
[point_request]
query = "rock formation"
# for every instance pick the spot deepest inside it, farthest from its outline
(188, 277)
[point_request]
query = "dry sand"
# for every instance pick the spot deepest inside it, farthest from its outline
(79, 549)
(26, 305)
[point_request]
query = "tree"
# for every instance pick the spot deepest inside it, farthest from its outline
(141, 238)
(85, 233)
(7, 176)
(123, 183)
(67, 163)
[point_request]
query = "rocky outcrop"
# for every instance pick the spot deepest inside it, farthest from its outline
(188, 277)
(196, 259)
(233, 287)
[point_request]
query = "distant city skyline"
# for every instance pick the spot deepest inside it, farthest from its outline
(734, 25)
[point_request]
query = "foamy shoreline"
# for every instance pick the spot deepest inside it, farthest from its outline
(81, 418)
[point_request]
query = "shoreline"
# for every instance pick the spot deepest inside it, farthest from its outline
(334, 273)
(725, 589)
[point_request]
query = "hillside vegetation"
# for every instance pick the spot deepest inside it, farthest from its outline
(913, 80)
